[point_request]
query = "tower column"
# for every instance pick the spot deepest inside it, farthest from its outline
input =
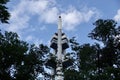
(59, 73)
(59, 43)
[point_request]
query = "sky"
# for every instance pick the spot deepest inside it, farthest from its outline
(35, 21)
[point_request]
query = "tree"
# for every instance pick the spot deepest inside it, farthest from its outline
(96, 62)
(4, 14)
(71, 75)
(11, 53)
(85, 59)
(18, 61)
(87, 56)
(33, 63)
(106, 31)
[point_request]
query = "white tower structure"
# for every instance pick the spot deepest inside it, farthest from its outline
(59, 43)
(59, 49)
(59, 73)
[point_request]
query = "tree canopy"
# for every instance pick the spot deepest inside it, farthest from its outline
(95, 61)
(18, 59)
(4, 14)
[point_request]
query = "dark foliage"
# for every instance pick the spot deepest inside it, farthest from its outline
(72, 75)
(18, 61)
(96, 62)
(4, 14)
(104, 30)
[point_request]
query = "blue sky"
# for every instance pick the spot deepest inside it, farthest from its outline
(35, 21)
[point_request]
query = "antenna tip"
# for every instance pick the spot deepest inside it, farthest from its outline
(59, 16)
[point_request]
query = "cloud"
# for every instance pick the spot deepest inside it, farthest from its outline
(29, 38)
(37, 6)
(28, 15)
(73, 17)
(34, 40)
(18, 24)
(117, 16)
(44, 9)
(50, 15)
(47, 12)
(88, 15)
(23, 12)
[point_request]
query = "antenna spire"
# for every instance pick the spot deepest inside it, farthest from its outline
(60, 23)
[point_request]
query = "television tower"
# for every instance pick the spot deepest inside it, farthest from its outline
(59, 69)
(59, 43)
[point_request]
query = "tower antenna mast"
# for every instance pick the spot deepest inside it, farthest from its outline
(59, 43)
